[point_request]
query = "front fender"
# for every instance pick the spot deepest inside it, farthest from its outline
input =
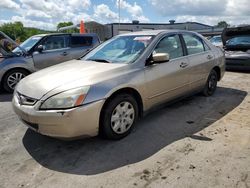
(16, 62)
(103, 90)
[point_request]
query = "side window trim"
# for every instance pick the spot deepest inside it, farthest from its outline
(205, 44)
(184, 46)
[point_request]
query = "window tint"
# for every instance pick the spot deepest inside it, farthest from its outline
(55, 42)
(194, 44)
(170, 45)
(79, 41)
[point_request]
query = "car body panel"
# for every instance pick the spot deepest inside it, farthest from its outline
(155, 83)
(16, 62)
(238, 60)
(33, 60)
(59, 124)
(237, 56)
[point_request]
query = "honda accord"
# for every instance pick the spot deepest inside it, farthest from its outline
(112, 86)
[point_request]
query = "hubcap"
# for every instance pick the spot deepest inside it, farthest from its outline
(14, 78)
(122, 117)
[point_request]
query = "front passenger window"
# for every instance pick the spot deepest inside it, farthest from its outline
(170, 45)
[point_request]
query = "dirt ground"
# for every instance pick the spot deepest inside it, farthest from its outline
(197, 142)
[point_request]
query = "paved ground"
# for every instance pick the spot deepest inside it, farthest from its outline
(197, 142)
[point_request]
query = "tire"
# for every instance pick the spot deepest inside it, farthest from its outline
(118, 117)
(11, 79)
(211, 84)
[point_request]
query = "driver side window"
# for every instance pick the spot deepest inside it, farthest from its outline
(55, 42)
(171, 45)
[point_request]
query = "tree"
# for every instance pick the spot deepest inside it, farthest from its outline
(222, 24)
(14, 30)
(18, 32)
(65, 24)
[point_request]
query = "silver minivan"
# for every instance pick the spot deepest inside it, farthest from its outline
(38, 52)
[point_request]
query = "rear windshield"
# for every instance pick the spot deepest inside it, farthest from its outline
(79, 41)
(240, 40)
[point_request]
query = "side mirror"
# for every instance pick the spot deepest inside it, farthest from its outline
(160, 57)
(40, 48)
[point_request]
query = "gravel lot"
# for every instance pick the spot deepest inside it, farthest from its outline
(197, 142)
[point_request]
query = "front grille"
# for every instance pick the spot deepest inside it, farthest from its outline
(24, 100)
(32, 125)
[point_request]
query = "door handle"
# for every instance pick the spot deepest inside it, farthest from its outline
(64, 53)
(209, 57)
(183, 65)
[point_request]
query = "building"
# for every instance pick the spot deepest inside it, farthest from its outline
(106, 31)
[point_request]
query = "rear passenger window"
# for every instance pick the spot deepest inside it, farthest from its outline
(170, 45)
(79, 41)
(194, 44)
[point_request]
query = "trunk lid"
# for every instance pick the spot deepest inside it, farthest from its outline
(232, 33)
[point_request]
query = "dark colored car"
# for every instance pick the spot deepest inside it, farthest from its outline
(236, 42)
(38, 52)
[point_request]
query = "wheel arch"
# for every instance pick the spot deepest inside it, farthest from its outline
(11, 69)
(218, 71)
(127, 90)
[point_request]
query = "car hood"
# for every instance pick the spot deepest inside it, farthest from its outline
(5, 40)
(229, 33)
(68, 75)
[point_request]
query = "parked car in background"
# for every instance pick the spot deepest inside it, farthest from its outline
(237, 48)
(38, 52)
(216, 40)
(108, 89)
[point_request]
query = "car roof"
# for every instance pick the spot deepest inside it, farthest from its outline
(73, 34)
(155, 32)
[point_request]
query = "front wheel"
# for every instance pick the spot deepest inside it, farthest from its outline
(11, 79)
(119, 117)
(211, 84)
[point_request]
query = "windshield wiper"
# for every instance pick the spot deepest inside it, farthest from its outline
(100, 60)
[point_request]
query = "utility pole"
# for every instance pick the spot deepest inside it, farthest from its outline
(119, 9)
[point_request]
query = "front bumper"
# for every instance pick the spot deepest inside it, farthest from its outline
(237, 64)
(81, 121)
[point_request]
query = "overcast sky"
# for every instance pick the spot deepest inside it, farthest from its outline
(46, 14)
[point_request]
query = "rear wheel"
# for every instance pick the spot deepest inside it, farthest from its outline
(11, 79)
(211, 84)
(119, 116)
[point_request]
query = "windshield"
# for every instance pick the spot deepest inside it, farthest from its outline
(242, 40)
(121, 49)
(28, 44)
(216, 39)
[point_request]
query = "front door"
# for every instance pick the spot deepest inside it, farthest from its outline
(167, 80)
(56, 50)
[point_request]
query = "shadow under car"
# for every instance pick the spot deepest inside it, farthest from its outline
(154, 132)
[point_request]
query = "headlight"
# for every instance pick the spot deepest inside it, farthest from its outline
(67, 99)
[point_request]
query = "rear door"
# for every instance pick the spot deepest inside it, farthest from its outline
(56, 50)
(80, 44)
(200, 59)
(169, 79)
